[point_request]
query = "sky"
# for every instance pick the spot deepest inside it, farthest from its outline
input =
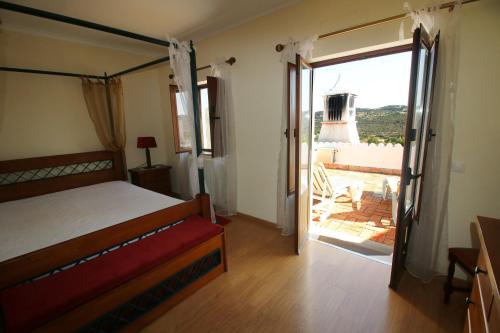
(377, 81)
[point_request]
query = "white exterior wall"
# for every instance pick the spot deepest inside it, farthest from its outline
(386, 156)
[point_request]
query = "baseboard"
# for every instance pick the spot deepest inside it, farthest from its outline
(258, 220)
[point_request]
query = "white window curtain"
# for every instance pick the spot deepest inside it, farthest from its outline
(285, 204)
(186, 166)
(220, 172)
(427, 253)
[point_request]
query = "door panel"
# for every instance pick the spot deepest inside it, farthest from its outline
(416, 125)
(291, 130)
(426, 132)
(303, 151)
(423, 69)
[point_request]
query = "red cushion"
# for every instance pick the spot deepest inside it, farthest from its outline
(28, 306)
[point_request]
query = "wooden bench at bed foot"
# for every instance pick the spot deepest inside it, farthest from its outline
(124, 289)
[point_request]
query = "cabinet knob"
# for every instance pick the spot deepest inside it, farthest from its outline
(478, 270)
(468, 301)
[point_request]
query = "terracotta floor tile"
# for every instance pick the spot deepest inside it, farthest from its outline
(371, 218)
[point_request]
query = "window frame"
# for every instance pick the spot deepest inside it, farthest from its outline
(205, 152)
(174, 89)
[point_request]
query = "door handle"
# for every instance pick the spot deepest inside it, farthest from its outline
(410, 176)
(478, 270)
(430, 134)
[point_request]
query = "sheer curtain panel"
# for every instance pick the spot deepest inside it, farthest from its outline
(186, 166)
(427, 252)
(220, 170)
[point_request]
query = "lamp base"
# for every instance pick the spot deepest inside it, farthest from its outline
(148, 159)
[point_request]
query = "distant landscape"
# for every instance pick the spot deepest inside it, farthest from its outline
(380, 125)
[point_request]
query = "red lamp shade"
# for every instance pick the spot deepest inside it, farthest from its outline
(146, 142)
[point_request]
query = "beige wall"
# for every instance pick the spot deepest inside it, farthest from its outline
(46, 115)
(477, 123)
(257, 79)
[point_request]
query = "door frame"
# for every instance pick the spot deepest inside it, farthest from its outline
(406, 47)
(363, 55)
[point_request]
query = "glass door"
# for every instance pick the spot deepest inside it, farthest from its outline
(303, 151)
(417, 136)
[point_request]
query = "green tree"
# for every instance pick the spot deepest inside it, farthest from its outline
(373, 139)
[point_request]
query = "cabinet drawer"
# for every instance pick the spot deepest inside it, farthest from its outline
(477, 318)
(484, 283)
(467, 322)
(155, 177)
(494, 319)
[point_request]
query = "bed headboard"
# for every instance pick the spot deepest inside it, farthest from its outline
(30, 177)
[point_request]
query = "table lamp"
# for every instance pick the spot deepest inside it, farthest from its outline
(147, 142)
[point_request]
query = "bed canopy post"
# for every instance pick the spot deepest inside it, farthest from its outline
(108, 103)
(196, 111)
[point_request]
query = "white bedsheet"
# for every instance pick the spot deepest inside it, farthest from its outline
(34, 223)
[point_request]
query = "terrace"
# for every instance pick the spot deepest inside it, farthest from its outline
(366, 226)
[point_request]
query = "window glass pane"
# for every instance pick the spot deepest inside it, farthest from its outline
(180, 107)
(425, 126)
(292, 111)
(417, 123)
(183, 124)
(205, 119)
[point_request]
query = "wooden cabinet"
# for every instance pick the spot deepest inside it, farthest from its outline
(155, 179)
(483, 305)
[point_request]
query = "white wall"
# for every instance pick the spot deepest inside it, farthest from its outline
(257, 79)
(46, 115)
(386, 156)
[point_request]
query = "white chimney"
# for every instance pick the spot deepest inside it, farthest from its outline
(339, 117)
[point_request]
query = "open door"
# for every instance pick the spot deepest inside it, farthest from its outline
(303, 140)
(417, 136)
(291, 131)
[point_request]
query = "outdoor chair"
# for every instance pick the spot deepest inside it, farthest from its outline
(326, 189)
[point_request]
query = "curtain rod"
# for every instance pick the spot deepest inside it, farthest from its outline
(82, 23)
(449, 5)
(229, 61)
(36, 71)
(136, 68)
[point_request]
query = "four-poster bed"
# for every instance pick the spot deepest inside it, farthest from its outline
(86, 251)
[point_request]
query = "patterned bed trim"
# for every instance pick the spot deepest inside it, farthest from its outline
(17, 177)
(125, 314)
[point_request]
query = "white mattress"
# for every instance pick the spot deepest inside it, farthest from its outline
(34, 223)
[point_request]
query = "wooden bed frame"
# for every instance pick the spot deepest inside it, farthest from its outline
(25, 267)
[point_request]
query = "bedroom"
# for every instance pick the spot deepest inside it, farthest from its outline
(46, 115)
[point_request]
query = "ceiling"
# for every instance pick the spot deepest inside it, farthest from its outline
(183, 19)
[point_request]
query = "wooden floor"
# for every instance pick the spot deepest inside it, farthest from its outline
(268, 289)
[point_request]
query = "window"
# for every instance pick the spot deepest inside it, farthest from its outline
(181, 130)
(180, 123)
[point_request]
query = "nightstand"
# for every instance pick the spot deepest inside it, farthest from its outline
(155, 179)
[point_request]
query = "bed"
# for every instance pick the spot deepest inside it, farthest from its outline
(65, 213)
